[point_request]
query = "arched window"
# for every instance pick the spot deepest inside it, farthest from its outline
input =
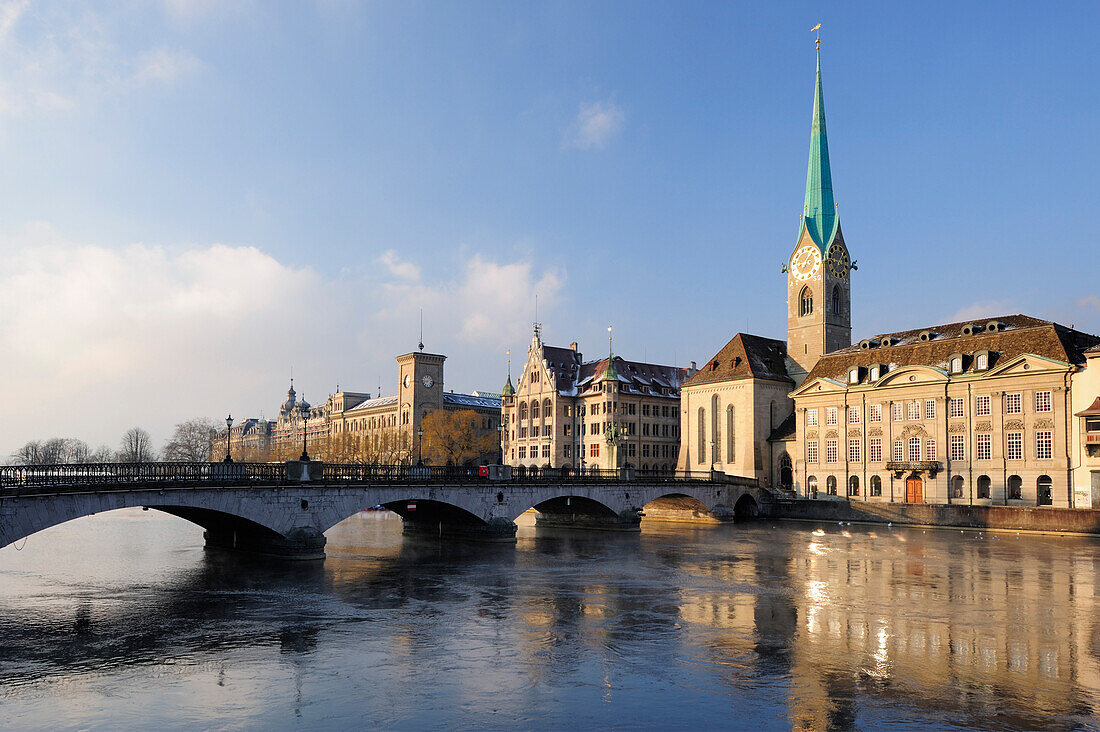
(811, 485)
(806, 301)
(1015, 488)
(853, 486)
(830, 485)
(957, 484)
(702, 444)
(983, 486)
(729, 434)
(876, 485)
(522, 411)
(1044, 493)
(714, 444)
(836, 300)
(786, 471)
(535, 409)
(547, 410)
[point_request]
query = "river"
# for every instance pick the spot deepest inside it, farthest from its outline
(123, 621)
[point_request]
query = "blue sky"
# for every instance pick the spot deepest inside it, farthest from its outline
(198, 196)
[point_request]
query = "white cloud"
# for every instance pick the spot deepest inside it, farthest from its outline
(595, 125)
(1089, 302)
(983, 309)
(57, 58)
(398, 267)
(98, 339)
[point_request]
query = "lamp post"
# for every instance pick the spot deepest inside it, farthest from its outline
(420, 446)
(228, 425)
(304, 411)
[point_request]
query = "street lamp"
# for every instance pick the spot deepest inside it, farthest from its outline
(303, 409)
(420, 446)
(228, 425)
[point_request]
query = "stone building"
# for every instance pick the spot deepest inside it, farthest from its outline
(975, 413)
(356, 426)
(1085, 428)
(564, 412)
(1003, 412)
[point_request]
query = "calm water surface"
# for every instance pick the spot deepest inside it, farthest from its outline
(122, 620)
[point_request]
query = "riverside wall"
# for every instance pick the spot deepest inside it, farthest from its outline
(1008, 518)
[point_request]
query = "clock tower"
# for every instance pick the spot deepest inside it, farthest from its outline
(419, 388)
(819, 294)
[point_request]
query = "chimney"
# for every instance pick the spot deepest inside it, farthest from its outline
(573, 346)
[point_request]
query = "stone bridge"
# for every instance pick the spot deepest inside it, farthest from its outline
(285, 509)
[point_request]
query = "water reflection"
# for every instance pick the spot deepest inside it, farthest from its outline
(122, 620)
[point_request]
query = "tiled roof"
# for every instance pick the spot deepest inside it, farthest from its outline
(376, 402)
(469, 400)
(571, 375)
(1016, 335)
(745, 357)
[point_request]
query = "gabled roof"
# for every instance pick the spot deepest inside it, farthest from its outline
(746, 356)
(1016, 336)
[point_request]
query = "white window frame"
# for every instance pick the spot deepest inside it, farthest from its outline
(929, 408)
(855, 450)
(1014, 446)
(983, 405)
(811, 418)
(1044, 445)
(830, 416)
(899, 451)
(854, 414)
(957, 447)
(897, 411)
(832, 452)
(930, 451)
(1043, 401)
(811, 451)
(913, 449)
(874, 412)
(1014, 403)
(956, 407)
(983, 446)
(874, 449)
(913, 409)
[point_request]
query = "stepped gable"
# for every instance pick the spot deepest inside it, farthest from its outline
(1016, 336)
(746, 356)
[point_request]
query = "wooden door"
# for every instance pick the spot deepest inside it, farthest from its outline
(914, 490)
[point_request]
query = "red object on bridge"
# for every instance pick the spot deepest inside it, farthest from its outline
(410, 507)
(483, 471)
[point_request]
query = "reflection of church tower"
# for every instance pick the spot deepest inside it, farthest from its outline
(819, 313)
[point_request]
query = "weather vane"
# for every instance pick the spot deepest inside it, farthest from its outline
(817, 29)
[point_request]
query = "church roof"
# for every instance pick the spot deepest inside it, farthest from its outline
(819, 214)
(1014, 335)
(746, 356)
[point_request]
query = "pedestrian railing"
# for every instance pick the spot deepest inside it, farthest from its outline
(29, 479)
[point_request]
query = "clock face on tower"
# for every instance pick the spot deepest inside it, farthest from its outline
(427, 381)
(806, 262)
(838, 261)
(408, 380)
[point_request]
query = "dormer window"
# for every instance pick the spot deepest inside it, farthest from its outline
(853, 376)
(981, 361)
(876, 372)
(955, 364)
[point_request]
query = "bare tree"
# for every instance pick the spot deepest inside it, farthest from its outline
(54, 451)
(456, 438)
(136, 447)
(102, 454)
(190, 442)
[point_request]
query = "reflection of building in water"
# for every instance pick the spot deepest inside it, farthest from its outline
(947, 626)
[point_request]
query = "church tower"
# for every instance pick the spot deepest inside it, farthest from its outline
(819, 295)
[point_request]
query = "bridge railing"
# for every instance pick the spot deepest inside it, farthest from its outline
(14, 478)
(21, 479)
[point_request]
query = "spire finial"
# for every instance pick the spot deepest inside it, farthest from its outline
(420, 345)
(817, 41)
(819, 210)
(610, 350)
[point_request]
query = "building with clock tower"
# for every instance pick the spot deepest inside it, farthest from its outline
(819, 293)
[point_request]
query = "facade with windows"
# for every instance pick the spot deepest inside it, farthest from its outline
(928, 421)
(564, 412)
(1085, 426)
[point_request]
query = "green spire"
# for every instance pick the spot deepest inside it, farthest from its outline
(508, 389)
(819, 214)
